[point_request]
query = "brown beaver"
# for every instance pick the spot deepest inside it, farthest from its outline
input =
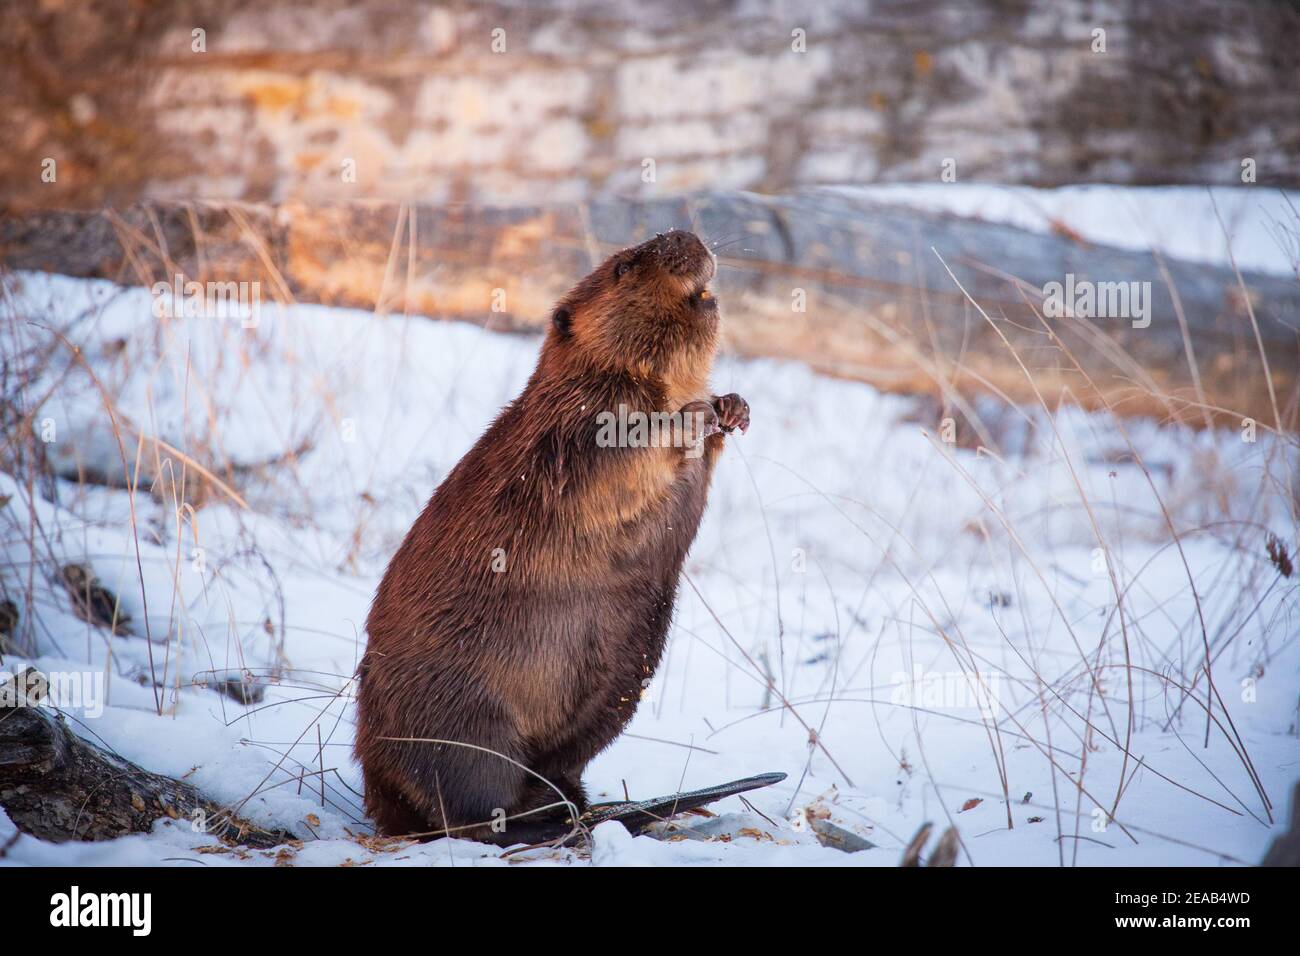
(531, 599)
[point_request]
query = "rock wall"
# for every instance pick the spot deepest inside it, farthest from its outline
(507, 103)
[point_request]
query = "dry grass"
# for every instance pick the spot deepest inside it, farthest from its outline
(1063, 713)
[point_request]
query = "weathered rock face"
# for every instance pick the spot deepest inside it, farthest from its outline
(513, 103)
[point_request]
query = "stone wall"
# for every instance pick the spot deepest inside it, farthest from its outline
(511, 103)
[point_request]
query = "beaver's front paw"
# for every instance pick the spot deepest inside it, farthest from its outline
(699, 421)
(733, 412)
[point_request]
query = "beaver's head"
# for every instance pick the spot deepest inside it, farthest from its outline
(646, 310)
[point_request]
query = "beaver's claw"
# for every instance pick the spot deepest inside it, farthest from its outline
(733, 412)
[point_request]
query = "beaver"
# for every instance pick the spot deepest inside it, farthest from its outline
(515, 628)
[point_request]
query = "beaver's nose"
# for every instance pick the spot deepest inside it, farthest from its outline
(679, 242)
(681, 252)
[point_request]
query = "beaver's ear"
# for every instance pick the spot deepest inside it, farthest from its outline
(562, 319)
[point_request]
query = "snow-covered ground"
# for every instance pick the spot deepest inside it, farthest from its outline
(870, 569)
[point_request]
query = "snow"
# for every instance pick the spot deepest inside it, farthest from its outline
(1257, 222)
(844, 548)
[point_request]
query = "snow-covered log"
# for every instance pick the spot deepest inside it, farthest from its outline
(58, 786)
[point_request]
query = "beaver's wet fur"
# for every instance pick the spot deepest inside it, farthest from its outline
(530, 601)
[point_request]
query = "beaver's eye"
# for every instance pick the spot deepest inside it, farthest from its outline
(621, 268)
(705, 295)
(562, 319)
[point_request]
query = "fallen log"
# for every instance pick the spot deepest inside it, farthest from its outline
(854, 287)
(57, 786)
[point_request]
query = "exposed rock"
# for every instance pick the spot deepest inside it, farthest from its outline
(512, 103)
